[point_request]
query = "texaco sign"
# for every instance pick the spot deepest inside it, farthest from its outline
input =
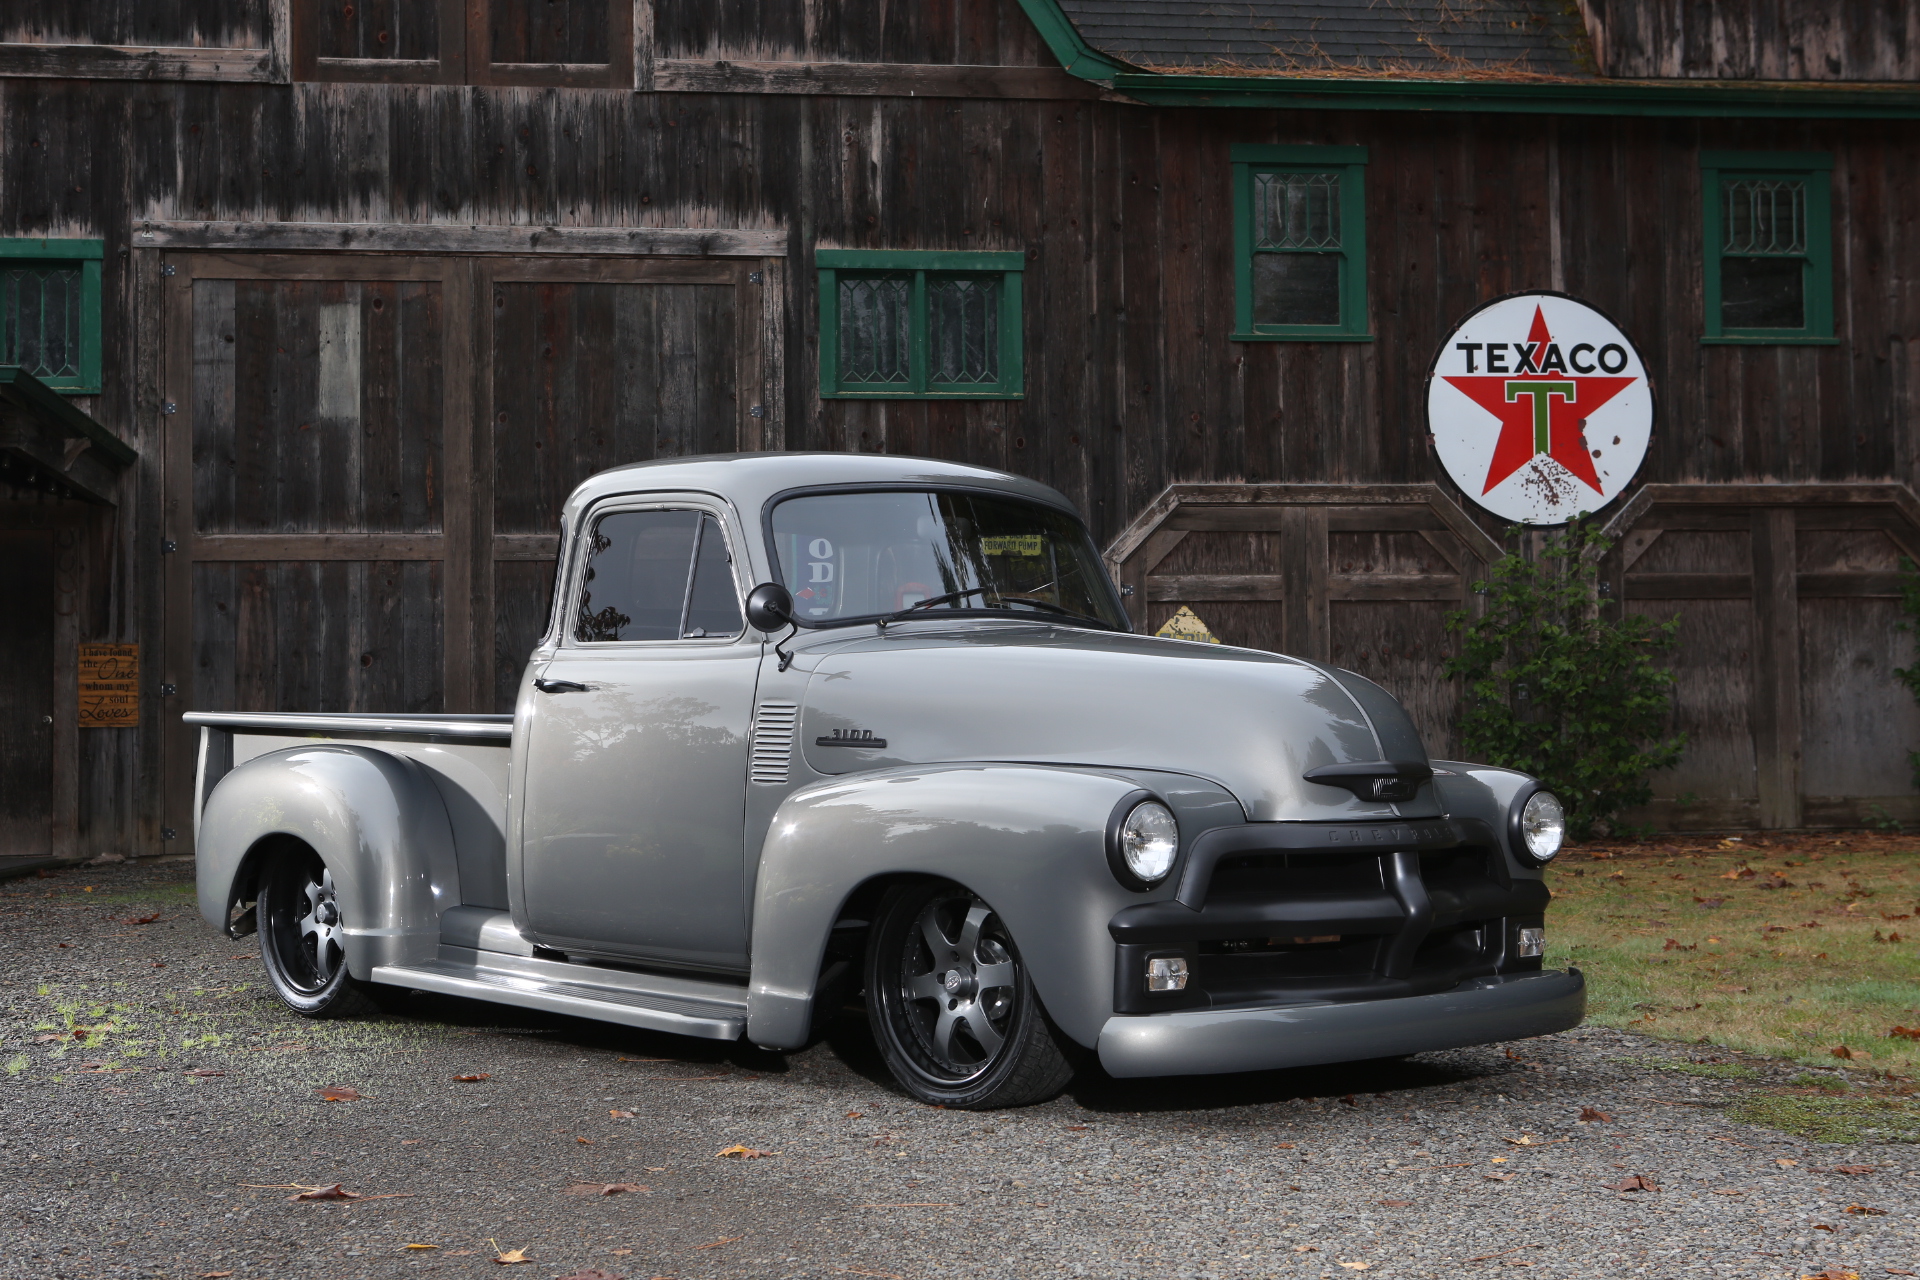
(1540, 408)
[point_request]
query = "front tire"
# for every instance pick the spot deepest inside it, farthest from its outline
(952, 1006)
(303, 937)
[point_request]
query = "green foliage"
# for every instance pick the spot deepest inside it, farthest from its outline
(1561, 688)
(1849, 1120)
(1910, 676)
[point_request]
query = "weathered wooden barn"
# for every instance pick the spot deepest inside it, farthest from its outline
(312, 312)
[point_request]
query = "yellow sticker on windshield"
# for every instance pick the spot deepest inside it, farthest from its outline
(1011, 544)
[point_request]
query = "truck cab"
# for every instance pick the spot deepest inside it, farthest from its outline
(810, 726)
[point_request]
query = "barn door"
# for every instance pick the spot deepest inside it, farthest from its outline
(592, 364)
(1789, 605)
(367, 456)
(311, 461)
(1358, 576)
(26, 693)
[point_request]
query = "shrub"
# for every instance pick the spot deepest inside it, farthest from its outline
(1563, 688)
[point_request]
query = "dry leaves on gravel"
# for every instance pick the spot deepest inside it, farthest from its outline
(618, 1114)
(1592, 1115)
(338, 1093)
(141, 919)
(1633, 1182)
(1833, 1273)
(333, 1192)
(738, 1152)
(1863, 1211)
(605, 1188)
(508, 1257)
(471, 1079)
(1853, 1170)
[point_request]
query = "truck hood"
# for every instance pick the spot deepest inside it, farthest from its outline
(1253, 722)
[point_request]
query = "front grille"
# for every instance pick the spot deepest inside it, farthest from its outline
(1280, 926)
(773, 730)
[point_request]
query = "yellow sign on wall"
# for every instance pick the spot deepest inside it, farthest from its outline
(109, 686)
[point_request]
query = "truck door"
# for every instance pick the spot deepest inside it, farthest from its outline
(636, 751)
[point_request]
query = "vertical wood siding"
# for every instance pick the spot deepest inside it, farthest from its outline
(1757, 39)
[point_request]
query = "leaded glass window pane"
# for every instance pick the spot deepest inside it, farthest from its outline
(1766, 216)
(876, 314)
(1296, 211)
(40, 314)
(964, 329)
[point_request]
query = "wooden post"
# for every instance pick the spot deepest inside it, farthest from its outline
(1776, 675)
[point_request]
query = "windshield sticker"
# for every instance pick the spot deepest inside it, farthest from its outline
(1013, 544)
(817, 578)
(1186, 625)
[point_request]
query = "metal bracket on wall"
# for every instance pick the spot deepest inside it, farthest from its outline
(168, 407)
(168, 690)
(166, 268)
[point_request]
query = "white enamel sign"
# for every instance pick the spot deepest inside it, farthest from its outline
(1540, 408)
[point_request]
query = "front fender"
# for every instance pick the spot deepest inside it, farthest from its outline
(1029, 839)
(375, 819)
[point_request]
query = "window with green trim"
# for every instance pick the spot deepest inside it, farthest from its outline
(911, 324)
(1300, 244)
(50, 311)
(1769, 239)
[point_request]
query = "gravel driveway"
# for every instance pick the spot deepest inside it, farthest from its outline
(176, 1154)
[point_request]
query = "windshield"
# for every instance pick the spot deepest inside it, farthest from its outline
(848, 556)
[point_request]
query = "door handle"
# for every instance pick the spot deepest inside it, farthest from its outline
(559, 686)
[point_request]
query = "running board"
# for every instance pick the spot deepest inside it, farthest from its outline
(715, 1012)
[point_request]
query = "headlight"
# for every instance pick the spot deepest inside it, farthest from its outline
(1543, 825)
(1149, 839)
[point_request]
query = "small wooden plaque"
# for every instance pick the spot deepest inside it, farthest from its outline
(109, 685)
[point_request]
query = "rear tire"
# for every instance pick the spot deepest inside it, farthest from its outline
(952, 1006)
(302, 941)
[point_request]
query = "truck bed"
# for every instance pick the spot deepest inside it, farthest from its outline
(468, 756)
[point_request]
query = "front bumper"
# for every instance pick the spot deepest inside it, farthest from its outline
(1215, 1041)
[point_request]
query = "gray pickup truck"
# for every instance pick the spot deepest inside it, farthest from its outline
(806, 727)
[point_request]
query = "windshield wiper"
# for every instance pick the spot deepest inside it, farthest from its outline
(951, 596)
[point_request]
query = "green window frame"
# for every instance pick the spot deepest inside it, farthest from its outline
(62, 277)
(1300, 224)
(1766, 213)
(912, 324)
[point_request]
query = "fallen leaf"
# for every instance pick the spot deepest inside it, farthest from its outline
(585, 1142)
(619, 1252)
(334, 1192)
(511, 1257)
(1356, 1266)
(1589, 1115)
(1853, 1170)
(338, 1093)
(1633, 1182)
(856, 1115)
(717, 1243)
(1673, 944)
(1498, 1160)
(203, 1072)
(1896, 1271)
(1349, 1101)
(1863, 1211)
(1728, 1191)
(738, 1152)
(1501, 1177)
(1528, 1140)
(1306, 1248)
(1835, 1273)
(618, 1114)
(471, 1079)
(1841, 1051)
(1397, 1204)
(1740, 873)
(213, 1275)
(1786, 1163)
(1904, 1033)
(1825, 1226)
(591, 1273)
(144, 920)
(605, 1188)
(419, 1246)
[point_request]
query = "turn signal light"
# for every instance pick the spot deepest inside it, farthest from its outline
(1167, 973)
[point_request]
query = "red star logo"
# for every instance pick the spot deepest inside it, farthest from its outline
(1541, 407)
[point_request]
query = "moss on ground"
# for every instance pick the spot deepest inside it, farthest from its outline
(1849, 1119)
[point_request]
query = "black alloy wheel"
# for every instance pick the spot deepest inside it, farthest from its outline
(303, 940)
(952, 1006)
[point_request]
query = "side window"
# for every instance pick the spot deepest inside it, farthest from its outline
(713, 602)
(656, 575)
(905, 324)
(1769, 246)
(1300, 244)
(50, 311)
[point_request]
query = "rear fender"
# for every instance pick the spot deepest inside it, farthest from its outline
(1029, 839)
(375, 819)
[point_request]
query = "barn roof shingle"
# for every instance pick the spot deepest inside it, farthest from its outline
(1354, 37)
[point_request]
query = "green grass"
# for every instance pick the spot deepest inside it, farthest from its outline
(1824, 1118)
(1678, 943)
(1718, 1070)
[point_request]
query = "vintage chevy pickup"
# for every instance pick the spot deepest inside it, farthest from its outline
(807, 727)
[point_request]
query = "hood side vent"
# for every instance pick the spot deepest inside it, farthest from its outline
(773, 728)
